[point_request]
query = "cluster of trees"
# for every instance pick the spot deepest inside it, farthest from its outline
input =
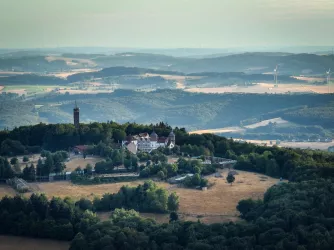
(52, 163)
(195, 181)
(143, 198)
(6, 170)
(43, 218)
(164, 170)
(291, 216)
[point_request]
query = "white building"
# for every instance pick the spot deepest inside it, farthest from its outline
(146, 143)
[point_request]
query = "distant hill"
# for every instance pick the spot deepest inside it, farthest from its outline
(117, 71)
(32, 79)
(32, 64)
(257, 62)
(191, 110)
(289, 64)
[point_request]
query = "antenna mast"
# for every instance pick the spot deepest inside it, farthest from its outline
(328, 79)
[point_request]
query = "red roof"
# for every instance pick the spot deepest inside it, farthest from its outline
(81, 147)
(162, 139)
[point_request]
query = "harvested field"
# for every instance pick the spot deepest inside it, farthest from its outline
(218, 130)
(88, 91)
(71, 61)
(266, 122)
(310, 79)
(17, 243)
(32, 160)
(72, 72)
(65, 188)
(265, 88)
(6, 190)
(303, 145)
(81, 162)
(221, 199)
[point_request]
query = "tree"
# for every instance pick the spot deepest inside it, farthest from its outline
(173, 216)
(161, 175)
(25, 158)
(89, 169)
(173, 202)
(14, 161)
(230, 178)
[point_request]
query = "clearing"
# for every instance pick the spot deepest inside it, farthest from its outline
(217, 204)
(17, 243)
(81, 162)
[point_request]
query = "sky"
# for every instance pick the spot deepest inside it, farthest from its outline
(165, 23)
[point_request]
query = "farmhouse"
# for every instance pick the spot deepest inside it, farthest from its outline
(146, 143)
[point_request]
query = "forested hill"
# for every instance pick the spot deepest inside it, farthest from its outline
(32, 79)
(32, 64)
(118, 71)
(253, 62)
(292, 216)
(191, 110)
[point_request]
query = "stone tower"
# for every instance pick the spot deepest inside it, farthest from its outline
(171, 137)
(76, 115)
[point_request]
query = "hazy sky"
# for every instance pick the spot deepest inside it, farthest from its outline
(166, 23)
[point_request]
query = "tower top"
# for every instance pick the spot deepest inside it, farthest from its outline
(75, 105)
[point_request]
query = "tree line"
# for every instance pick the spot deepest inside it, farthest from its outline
(276, 162)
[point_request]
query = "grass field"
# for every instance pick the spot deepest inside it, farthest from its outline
(81, 162)
(18, 243)
(216, 204)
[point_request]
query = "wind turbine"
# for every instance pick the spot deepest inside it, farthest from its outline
(328, 78)
(275, 76)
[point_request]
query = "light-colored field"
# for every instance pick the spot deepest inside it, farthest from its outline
(12, 73)
(216, 204)
(222, 198)
(1, 87)
(81, 162)
(32, 160)
(265, 88)
(18, 243)
(180, 80)
(6, 190)
(65, 188)
(72, 72)
(71, 61)
(266, 122)
(30, 89)
(218, 130)
(310, 79)
(84, 91)
(303, 145)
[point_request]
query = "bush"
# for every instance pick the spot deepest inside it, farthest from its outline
(25, 158)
